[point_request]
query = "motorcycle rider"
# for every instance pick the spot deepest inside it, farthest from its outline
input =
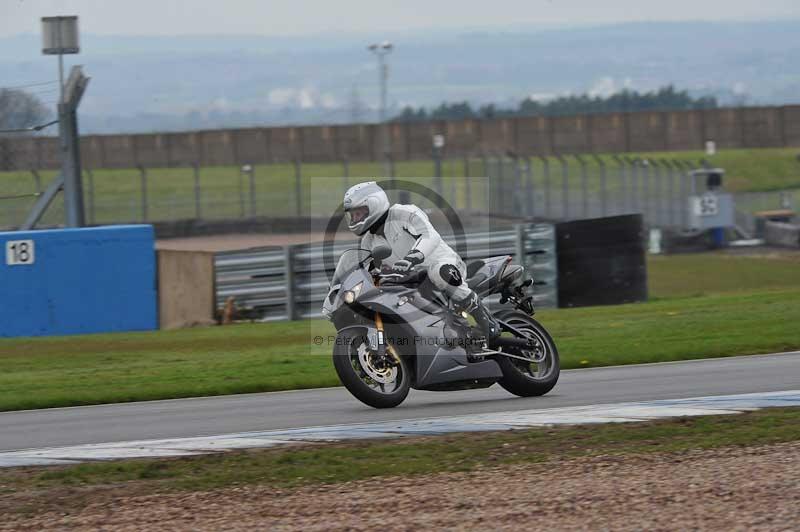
(407, 230)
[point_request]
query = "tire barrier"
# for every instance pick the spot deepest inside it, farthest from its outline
(601, 261)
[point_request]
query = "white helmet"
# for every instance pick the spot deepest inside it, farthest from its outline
(365, 204)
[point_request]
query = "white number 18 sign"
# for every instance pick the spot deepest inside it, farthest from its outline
(19, 252)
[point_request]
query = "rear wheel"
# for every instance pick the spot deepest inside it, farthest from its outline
(375, 380)
(539, 376)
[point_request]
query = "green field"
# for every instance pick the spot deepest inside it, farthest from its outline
(693, 275)
(225, 193)
(702, 306)
(753, 170)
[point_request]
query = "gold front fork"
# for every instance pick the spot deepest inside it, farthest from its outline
(382, 337)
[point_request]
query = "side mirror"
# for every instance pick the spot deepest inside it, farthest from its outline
(381, 252)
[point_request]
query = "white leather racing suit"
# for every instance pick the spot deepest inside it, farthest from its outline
(407, 229)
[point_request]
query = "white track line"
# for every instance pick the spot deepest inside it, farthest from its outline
(577, 415)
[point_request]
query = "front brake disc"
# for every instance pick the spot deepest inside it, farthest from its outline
(366, 358)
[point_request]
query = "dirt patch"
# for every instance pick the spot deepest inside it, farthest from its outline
(241, 241)
(752, 488)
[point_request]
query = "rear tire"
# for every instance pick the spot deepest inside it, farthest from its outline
(349, 365)
(521, 378)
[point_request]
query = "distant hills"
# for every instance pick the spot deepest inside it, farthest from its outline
(178, 83)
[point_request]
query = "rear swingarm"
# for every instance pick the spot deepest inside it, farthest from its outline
(503, 353)
(513, 343)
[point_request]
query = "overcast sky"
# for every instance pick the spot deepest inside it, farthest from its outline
(297, 17)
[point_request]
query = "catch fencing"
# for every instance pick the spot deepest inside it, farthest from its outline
(581, 187)
(290, 282)
(19, 192)
(752, 208)
(547, 189)
(543, 188)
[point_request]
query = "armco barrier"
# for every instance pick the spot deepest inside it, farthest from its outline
(782, 234)
(282, 283)
(72, 281)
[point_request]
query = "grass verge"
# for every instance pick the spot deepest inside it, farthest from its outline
(107, 368)
(37, 489)
(749, 170)
(701, 274)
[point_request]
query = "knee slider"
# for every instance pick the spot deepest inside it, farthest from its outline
(450, 275)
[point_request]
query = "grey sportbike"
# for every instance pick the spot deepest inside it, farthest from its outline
(397, 332)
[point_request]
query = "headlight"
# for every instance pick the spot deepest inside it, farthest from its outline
(350, 296)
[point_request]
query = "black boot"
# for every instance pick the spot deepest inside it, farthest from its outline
(475, 307)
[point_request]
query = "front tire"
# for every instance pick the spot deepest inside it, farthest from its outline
(529, 379)
(370, 379)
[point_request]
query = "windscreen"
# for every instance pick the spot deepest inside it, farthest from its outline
(348, 262)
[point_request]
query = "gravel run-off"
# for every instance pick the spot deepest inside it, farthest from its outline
(748, 488)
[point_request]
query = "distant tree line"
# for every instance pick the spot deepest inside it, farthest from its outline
(663, 99)
(20, 109)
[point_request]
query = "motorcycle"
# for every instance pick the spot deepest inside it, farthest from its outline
(396, 332)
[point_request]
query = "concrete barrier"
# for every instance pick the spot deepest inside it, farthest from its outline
(75, 281)
(260, 224)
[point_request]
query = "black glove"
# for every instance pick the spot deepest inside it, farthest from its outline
(405, 264)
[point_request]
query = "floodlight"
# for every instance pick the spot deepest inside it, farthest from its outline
(60, 35)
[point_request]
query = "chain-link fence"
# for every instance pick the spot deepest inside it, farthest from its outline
(752, 208)
(533, 188)
(20, 188)
(579, 187)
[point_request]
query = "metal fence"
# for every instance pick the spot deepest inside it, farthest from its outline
(282, 283)
(750, 206)
(18, 194)
(539, 188)
(554, 188)
(580, 187)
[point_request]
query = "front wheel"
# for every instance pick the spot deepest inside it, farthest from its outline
(528, 379)
(377, 381)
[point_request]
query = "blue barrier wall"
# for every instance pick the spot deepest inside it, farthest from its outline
(73, 281)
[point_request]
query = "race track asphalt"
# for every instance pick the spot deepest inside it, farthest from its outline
(328, 406)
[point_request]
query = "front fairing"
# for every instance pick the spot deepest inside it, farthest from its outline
(358, 281)
(349, 261)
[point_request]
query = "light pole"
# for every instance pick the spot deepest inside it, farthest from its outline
(438, 146)
(381, 50)
(59, 37)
